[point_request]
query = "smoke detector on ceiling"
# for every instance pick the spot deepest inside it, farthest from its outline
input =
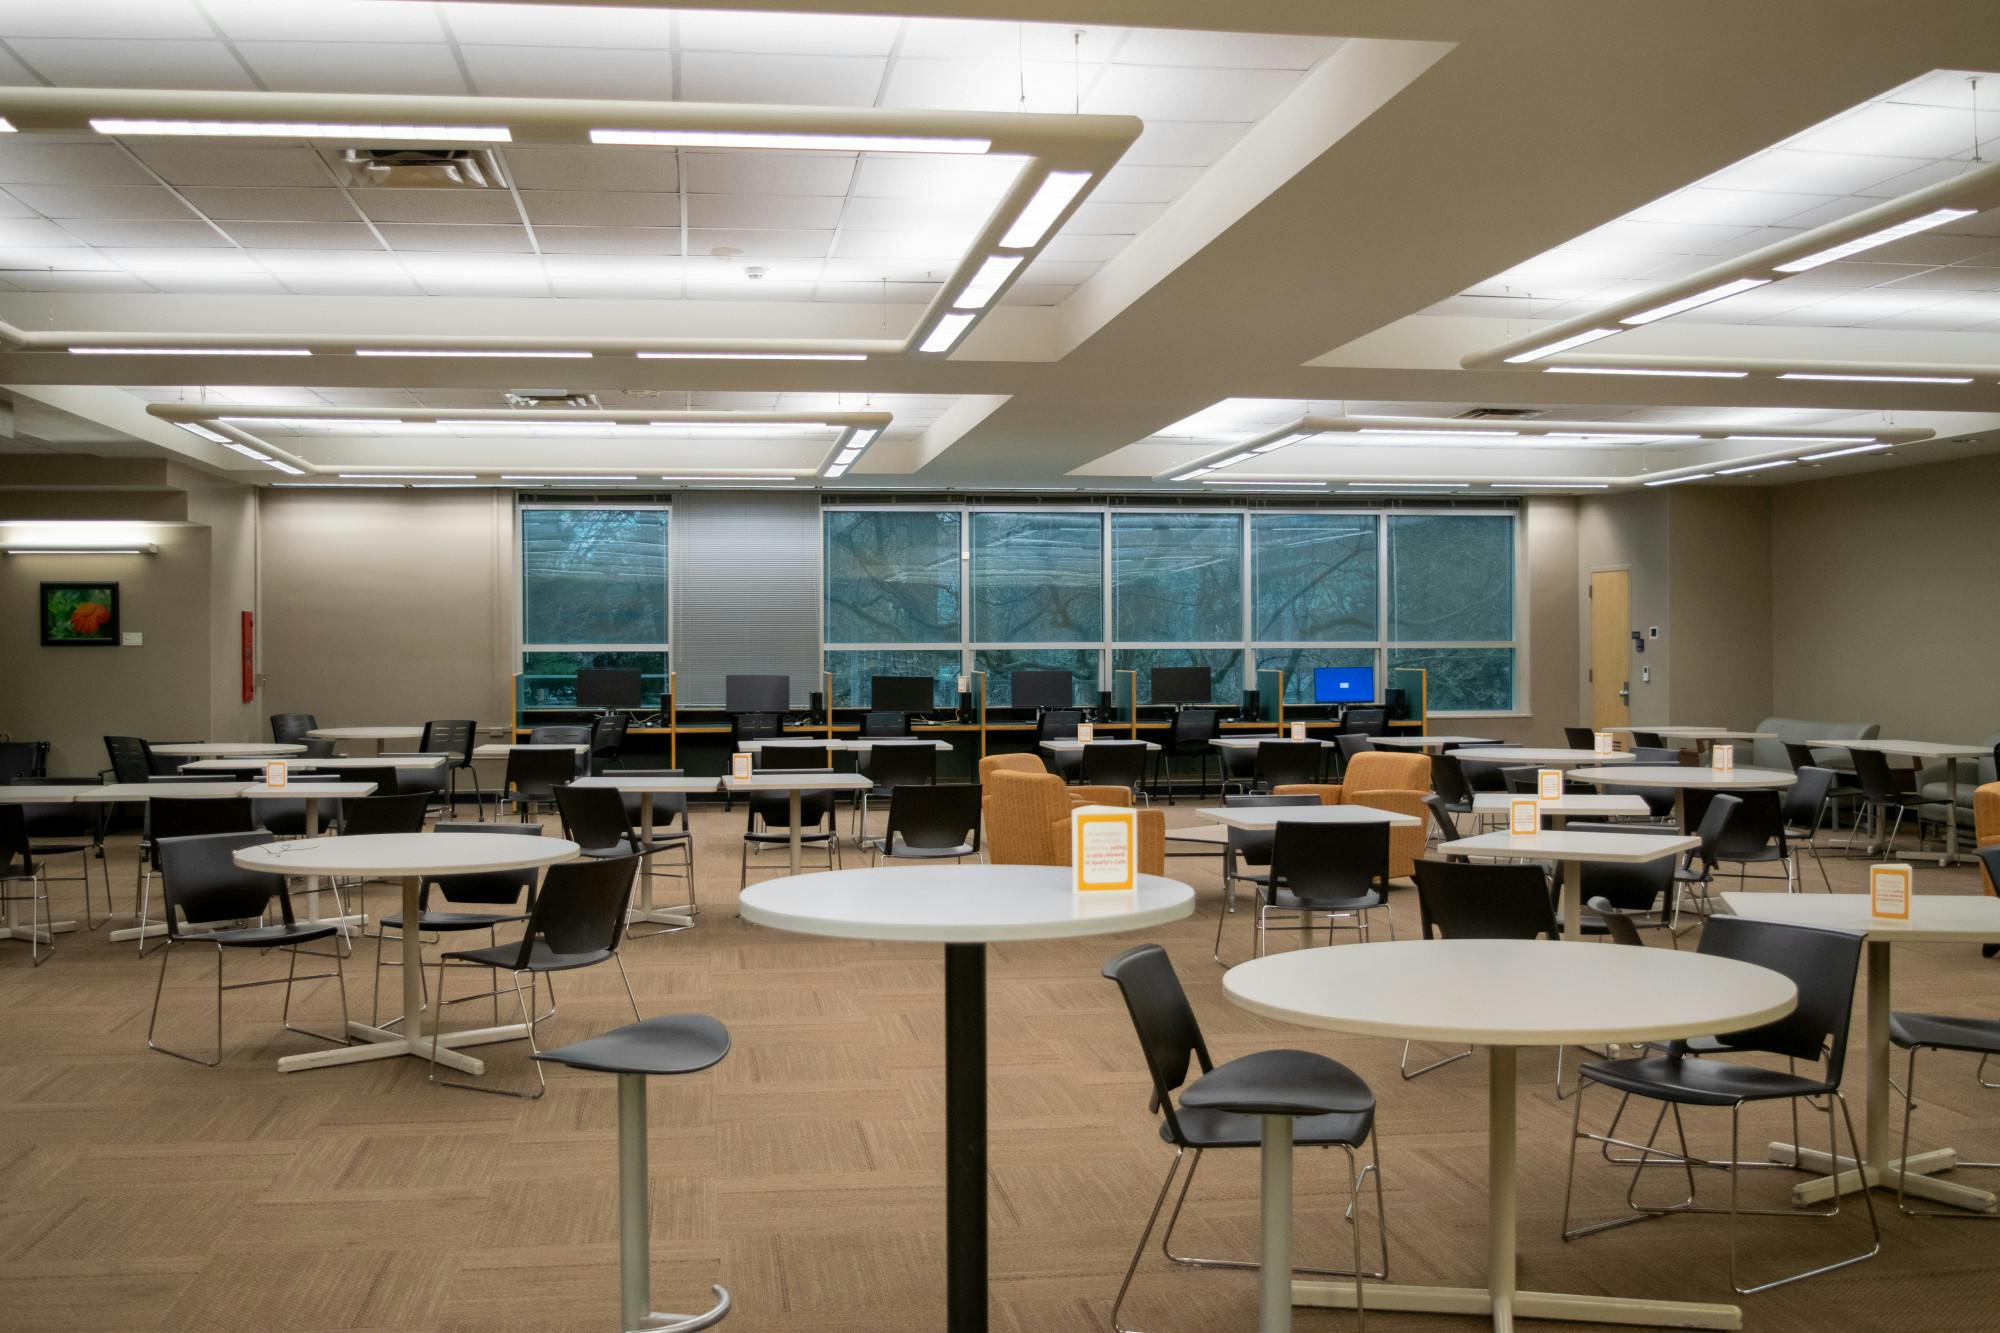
(419, 168)
(552, 398)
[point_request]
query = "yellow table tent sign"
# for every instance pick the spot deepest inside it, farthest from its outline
(1549, 784)
(1889, 889)
(275, 773)
(1104, 849)
(1524, 816)
(739, 766)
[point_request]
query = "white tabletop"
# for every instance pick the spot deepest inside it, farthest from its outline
(1252, 742)
(1270, 816)
(1699, 733)
(1600, 805)
(499, 749)
(1568, 845)
(1934, 917)
(404, 854)
(861, 744)
(300, 791)
(331, 764)
(639, 783)
(26, 794)
(1426, 742)
(365, 733)
(1522, 756)
(958, 904)
(801, 779)
(1681, 775)
(223, 749)
(1209, 835)
(1913, 749)
(1067, 745)
(1510, 992)
(148, 791)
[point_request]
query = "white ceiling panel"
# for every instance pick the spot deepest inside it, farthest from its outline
(787, 34)
(1742, 207)
(460, 206)
(127, 64)
(103, 18)
(303, 235)
(74, 257)
(593, 208)
(817, 212)
(950, 39)
(901, 175)
(708, 76)
(10, 207)
(543, 26)
(110, 201)
(769, 173)
(1810, 173)
(529, 71)
(591, 168)
(1892, 129)
(1093, 218)
(224, 284)
(107, 234)
(939, 213)
(1229, 50)
(332, 263)
(1128, 184)
(273, 204)
(1915, 179)
(14, 74)
(496, 240)
(323, 20)
(609, 240)
(944, 249)
(326, 284)
(1168, 143)
(355, 67)
(24, 163)
(71, 280)
(1188, 94)
(151, 262)
(226, 164)
(988, 85)
(756, 244)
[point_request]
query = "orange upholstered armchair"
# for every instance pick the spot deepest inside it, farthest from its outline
(1027, 818)
(1386, 781)
(1986, 820)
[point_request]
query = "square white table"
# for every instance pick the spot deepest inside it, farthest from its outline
(1703, 737)
(1428, 744)
(1252, 742)
(225, 749)
(795, 783)
(1071, 745)
(1570, 805)
(1572, 850)
(1949, 754)
(1935, 918)
(375, 734)
(1524, 756)
(646, 787)
(500, 749)
(327, 764)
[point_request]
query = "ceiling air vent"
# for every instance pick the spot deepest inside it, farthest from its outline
(552, 398)
(1499, 414)
(422, 168)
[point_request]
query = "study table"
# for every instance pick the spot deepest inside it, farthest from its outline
(795, 783)
(501, 749)
(1572, 849)
(410, 857)
(963, 908)
(1503, 995)
(1683, 778)
(854, 744)
(1944, 752)
(1270, 816)
(1070, 745)
(1252, 742)
(327, 764)
(646, 786)
(1934, 919)
(1703, 737)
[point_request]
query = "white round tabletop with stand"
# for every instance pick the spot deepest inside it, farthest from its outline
(1524, 756)
(380, 735)
(795, 783)
(1683, 778)
(225, 749)
(646, 786)
(410, 857)
(1430, 744)
(1503, 995)
(963, 908)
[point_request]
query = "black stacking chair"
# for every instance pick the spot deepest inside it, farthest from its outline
(1351, 743)
(566, 734)
(1822, 963)
(68, 830)
(291, 728)
(1238, 767)
(1643, 893)
(23, 759)
(653, 1047)
(183, 817)
(131, 759)
(884, 723)
(1288, 763)
(1944, 1032)
(577, 921)
(1115, 763)
(1333, 870)
(1059, 724)
(1247, 853)
(1740, 828)
(1617, 924)
(930, 823)
(607, 741)
(1845, 788)
(668, 807)
(1648, 740)
(889, 767)
(1443, 826)
(1480, 900)
(1580, 738)
(1329, 1106)
(504, 889)
(1453, 793)
(1805, 804)
(533, 776)
(368, 815)
(769, 818)
(1660, 801)
(597, 820)
(456, 738)
(1481, 775)
(751, 727)
(1189, 734)
(203, 885)
(17, 867)
(1879, 795)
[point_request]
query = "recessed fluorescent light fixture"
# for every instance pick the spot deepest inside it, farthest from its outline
(1408, 485)
(12, 549)
(861, 439)
(1190, 476)
(6, 125)
(1936, 218)
(1878, 379)
(1409, 433)
(409, 476)
(1843, 453)
(562, 476)
(794, 142)
(1253, 481)
(1560, 345)
(839, 470)
(848, 456)
(469, 351)
(1282, 442)
(1550, 485)
(751, 356)
(1803, 439)
(1612, 436)
(302, 129)
(979, 289)
(1727, 289)
(948, 331)
(1675, 481)
(1756, 467)
(246, 451)
(1643, 370)
(204, 432)
(339, 485)
(780, 479)
(1054, 194)
(189, 351)
(344, 423)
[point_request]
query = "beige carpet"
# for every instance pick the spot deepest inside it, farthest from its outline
(804, 1172)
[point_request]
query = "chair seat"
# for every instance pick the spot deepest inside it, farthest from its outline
(625, 848)
(781, 837)
(906, 852)
(541, 958)
(1280, 1082)
(450, 921)
(1204, 1128)
(1945, 1032)
(1697, 1082)
(671, 1044)
(57, 848)
(1285, 900)
(266, 937)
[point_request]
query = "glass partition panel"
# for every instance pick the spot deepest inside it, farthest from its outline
(1461, 679)
(1037, 577)
(1270, 684)
(593, 576)
(1298, 664)
(1177, 577)
(892, 576)
(1314, 577)
(1225, 669)
(1000, 664)
(1451, 579)
(548, 679)
(853, 670)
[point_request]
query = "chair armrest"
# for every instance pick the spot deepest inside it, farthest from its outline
(1099, 796)
(1152, 841)
(1329, 793)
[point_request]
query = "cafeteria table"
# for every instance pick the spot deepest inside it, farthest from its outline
(31, 794)
(1525, 756)
(1948, 754)
(795, 783)
(1683, 778)
(1572, 849)
(1429, 744)
(375, 734)
(225, 749)
(646, 786)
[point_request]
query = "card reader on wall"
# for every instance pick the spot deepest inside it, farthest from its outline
(1638, 642)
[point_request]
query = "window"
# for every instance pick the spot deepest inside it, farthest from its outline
(1037, 578)
(1225, 669)
(1177, 577)
(593, 594)
(854, 670)
(1451, 606)
(892, 576)
(1314, 576)
(1000, 664)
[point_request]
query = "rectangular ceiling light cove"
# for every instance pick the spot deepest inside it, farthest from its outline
(1802, 439)
(948, 331)
(1935, 218)
(1560, 345)
(189, 351)
(246, 450)
(1642, 370)
(837, 470)
(302, 129)
(992, 274)
(1675, 481)
(325, 423)
(283, 467)
(1255, 481)
(1550, 485)
(1432, 432)
(1198, 472)
(848, 455)
(1408, 485)
(1843, 453)
(1756, 467)
(6, 125)
(751, 356)
(468, 351)
(861, 439)
(800, 141)
(204, 432)
(1615, 436)
(1282, 442)
(409, 476)
(1722, 292)
(1055, 194)
(563, 476)
(1878, 379)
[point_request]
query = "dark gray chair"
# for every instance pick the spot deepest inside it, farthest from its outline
(1915, 1032)
(930, 823)
(533, 776)
(291, 728)
(889, 767)
(1330, 870)
(598, 821)
(1288, 763)
(1247, 853)
(512, 891)
(1806, 803)
(1480, 900)
(17, 867)
(68, 830)
(1115, 763)
(1189, 734)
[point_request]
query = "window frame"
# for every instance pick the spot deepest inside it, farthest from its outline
(522, 647)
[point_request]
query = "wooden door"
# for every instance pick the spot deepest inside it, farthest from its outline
(1610, 648)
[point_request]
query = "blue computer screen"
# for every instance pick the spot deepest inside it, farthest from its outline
(1343, 685)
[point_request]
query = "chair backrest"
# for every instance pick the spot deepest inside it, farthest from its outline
(1058, 724)
(202, 882)
(1821, 963)
(1366, 721)
(131, 758)
(1629, 886)
(23, 759)
(1622, 928)
(1169, 1034)
(1871, 771)
(1579, 738)
(1113, 764)
(1754, 823)
(1253, 845)
(177, 817)
(900, 765)
(1989, 860)
(1021, 810)
(1352, 743)
(667, 805)
(1484, 900)
(451, 736)
(537, 773)
(1799, 755)
(488, 888)
(1483, 775)
(607, 735)
(386, 777)
(1648, 740)
(14, 841)
(1656, 755)
(1805, 797)
(934, 816)
(316, 748)
(594, 818)
(1448, 776)
(885, 723)
(1193, 729)
(1031, 764)
(1330, 862)
(50, 820)
(1713, 820)
(580, 911)
(1284, 763)
(560, 733)
(755, 726)
(1447, 827)
(291, 728)
(1384, 770)
(383, 814)
(1521, 781)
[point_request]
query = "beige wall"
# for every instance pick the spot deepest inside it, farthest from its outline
(1629, 532)
(384, 608)
(1884, 600)
(1548, 695)
(1719, 598)
(230, 513)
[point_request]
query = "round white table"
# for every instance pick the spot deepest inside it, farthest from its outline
(646, 786)
(1683, 778)
(410, 857)
(1522, 756)
(1270, 816)
(1429, 744)
(1501, 994)
(962, 908)
(376, 734)
(226, 749)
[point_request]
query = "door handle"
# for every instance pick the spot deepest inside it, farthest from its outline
(1625, 693)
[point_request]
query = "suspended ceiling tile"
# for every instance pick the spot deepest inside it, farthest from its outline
(1890, 128)
(758, 243)
(920, 213)
(355, 67)
(1094, 218)
(110, 201)
(114, 234)
(749, 210)
(1743, 207)
(1167, 143)
(987, 85)
(1064, 246)
(1956, 277)
(1234, 50)
(270, 204)
(802, 80)
(326, 284)
(787, 34)
(304, 235)
(149, 64)
(1128, 184)
(1788, 169)
(650, 169)
(495, 240)
(10, 207)
(769, 173)
(1934, 248)
(527, 71)
(67, 164)
(322, 20)
(250, 166)
(75, 257)
(72, 280)
(599, 208)
(457, 206)
(943, 249)
(217, 284)
(610, 240)
(1188, 94)
(899, 176)
(1930, 173)
(762, 290)
(131, 19)
(331, 263)
(989, 39)
(544, 26)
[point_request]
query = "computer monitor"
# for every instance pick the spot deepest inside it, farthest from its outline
(607, 689)
(1181, 685)
(1042, 689)
(756, 694)
(901, 694)
(1343, 685)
